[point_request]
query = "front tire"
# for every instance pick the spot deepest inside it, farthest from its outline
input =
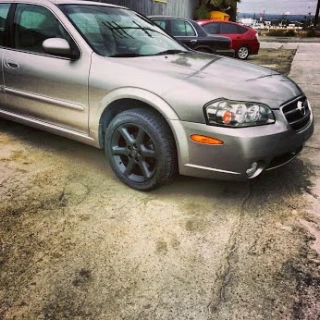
(243, 53)
(141, 150)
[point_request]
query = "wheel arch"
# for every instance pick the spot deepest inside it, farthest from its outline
(243, 45)
(119, 102)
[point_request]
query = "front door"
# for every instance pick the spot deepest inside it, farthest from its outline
(4, 10)
(41, 86)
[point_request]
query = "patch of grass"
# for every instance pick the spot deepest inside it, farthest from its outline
(277, 59)
(281, 33)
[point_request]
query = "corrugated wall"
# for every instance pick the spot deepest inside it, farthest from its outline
(177, 8)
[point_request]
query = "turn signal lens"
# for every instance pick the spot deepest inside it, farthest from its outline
(205, 140)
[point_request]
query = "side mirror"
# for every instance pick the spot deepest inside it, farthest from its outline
(58, 47)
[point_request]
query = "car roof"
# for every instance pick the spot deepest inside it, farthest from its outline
(167, 17)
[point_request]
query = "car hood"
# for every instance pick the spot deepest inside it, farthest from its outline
(219, 77)
(189, 81)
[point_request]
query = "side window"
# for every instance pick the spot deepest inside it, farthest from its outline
(180, 28)
(227, 28)
(161, 24)
(212, 28)
(33, 25)
(4, 9)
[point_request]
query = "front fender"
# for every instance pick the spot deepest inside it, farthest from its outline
(133, 93)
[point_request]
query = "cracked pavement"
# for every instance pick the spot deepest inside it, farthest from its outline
(77, 244)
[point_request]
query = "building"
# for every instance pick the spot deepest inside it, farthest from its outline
(177, 8)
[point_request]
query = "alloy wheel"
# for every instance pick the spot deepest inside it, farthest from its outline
(134, 152)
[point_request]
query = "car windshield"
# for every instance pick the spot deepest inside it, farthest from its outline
(120, 32)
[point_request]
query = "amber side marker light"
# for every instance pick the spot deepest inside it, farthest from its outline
(205, 140)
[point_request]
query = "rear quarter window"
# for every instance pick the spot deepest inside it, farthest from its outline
(242, 30)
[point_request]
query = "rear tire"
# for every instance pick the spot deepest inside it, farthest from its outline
(243, 53)
(141, 150)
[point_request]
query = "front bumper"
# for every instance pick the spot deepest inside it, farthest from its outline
(271, 146)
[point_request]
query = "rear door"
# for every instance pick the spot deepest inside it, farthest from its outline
(231, 31)
(41, 86)
(183, 31)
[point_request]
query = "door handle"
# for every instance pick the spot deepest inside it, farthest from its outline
(193, 41)
(12, 64)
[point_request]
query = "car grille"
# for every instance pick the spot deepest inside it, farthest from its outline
(297, 113)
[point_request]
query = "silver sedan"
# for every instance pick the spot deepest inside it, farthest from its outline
(107, 76)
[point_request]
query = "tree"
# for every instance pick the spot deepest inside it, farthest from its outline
(316, 17)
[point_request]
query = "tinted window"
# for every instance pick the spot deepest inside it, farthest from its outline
(33, 25)
(180, 28)
(4, 9)
(161, 24)
(228, 28)
(212, 28)
(242, 30)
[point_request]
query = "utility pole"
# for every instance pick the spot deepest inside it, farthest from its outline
(316, 17)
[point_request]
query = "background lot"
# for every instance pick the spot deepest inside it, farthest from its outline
(77, 244)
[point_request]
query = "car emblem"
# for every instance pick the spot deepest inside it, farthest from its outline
(301, 108)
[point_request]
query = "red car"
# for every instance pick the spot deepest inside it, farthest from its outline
(244, 39)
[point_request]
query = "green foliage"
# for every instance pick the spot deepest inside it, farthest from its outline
(202, 12)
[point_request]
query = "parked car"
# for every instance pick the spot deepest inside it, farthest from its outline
(244, 39)
(193, 36)
(107, 76)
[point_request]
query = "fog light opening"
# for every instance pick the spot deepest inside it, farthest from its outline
(252, 169)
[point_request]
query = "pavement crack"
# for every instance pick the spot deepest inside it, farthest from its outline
(310, 147)
(224, 275)
(315, 196)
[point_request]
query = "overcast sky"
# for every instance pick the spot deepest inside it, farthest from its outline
(278, 6)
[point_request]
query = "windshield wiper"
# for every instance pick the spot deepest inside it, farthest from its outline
(171, 51)
(145, 30)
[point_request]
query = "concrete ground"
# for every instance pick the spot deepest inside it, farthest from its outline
(77, 244)
(305, 71)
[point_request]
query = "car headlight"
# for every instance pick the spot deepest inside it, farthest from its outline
(238, 114)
